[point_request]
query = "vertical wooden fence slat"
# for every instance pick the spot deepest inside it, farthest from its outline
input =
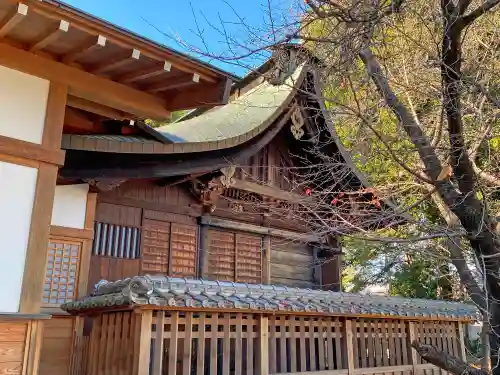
(321, 345)
(338, 343)
(95, 339)
(144, 352)
(349, 345)
(238, 347)
(250, 319)
(272, 345)
(172, 347)
(188, 341)
(101, 353)
(128, 328)
(293, 343)
(398, 338)
(264, 345)
(312, 346)
(283, 348)
(404, 339)
(158, 347)
(390, 338)
(200, 359)
(371, 351)
(302, 347)
(214, 323)
(109, 343)
(117, 350)
(330, 343)
(362, 339)
(461, 340)
(413, 354)
(226, 343)
(355, 342)
(385, 343)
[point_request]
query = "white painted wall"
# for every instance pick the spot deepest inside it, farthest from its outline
(17, 192)
(23, 102)
(70, 204)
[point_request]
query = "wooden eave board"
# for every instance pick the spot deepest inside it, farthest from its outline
(51, 11)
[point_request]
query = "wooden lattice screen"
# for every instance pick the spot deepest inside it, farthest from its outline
(230, 343)
(169, 248)
(61, 277)
(234, 257)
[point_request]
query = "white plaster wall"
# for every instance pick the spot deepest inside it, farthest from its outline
(70, 204)
(17, 192)
(23, 102)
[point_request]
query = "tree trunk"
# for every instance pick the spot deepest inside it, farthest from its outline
(446, 361)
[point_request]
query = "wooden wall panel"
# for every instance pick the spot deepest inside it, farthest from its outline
(12, 345)
(249, 258)
(184, 250)
(292, 263)
(117, 214)
(57, 344)
(155, 246)
(221, 258)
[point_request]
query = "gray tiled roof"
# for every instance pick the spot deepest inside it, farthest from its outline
(202, 294)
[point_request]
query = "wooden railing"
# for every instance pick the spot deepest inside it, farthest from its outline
(213, 343)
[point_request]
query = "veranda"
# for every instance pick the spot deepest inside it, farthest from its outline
(172, 326)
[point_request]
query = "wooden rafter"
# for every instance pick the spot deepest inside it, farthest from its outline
(117, 62)
(96, 108)
(175, 83)
(50, 36)
(92, 43)
(12, 19)
(145, 73)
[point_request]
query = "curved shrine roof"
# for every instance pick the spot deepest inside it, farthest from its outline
(206, 295)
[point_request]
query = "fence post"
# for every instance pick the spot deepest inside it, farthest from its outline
(263, 345)
(144, 320)
(461, 339)
(412, 330)
(350, 350)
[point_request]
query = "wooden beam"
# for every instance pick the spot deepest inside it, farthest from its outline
(50, 36)
(91, 44)
(76, 119)
(145, 73)
(229, 224)
(117, 62)
(30, 151)
(81, 234)
(85, 85)
(268, 191)
(54, 116)
(203, 95)
(13, 18)
(175, 83)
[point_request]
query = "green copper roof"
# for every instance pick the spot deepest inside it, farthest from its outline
(202, 294)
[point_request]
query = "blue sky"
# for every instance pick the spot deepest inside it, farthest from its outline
(155, 18)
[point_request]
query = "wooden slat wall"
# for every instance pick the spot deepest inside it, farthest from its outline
(234, 256)
(221, 257)
(57, 346)
(12, 347)
(106, 268)
(155, 246)
(292, 263)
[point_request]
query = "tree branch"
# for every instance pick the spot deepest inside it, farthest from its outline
(479, 11)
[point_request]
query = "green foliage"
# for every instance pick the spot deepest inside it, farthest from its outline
(156, 124)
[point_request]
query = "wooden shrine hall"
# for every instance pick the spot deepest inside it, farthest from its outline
(203, 206)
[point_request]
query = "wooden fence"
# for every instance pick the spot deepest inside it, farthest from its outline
(192, 343)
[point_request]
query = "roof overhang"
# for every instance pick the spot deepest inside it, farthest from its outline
(103, 64)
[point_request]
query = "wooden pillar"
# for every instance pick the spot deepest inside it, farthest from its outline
(266, 261)
(263, 345)
(203, 250)
(143, 339)
(349, 346)
(36, 252)
(412, 334)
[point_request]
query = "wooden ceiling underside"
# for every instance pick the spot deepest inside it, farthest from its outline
(88, 45)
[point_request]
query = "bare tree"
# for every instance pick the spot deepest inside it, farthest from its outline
(414, 88)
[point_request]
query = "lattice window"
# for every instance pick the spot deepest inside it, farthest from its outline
(169, 248)
(117, 241)
(61, 277)
(235, 257)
